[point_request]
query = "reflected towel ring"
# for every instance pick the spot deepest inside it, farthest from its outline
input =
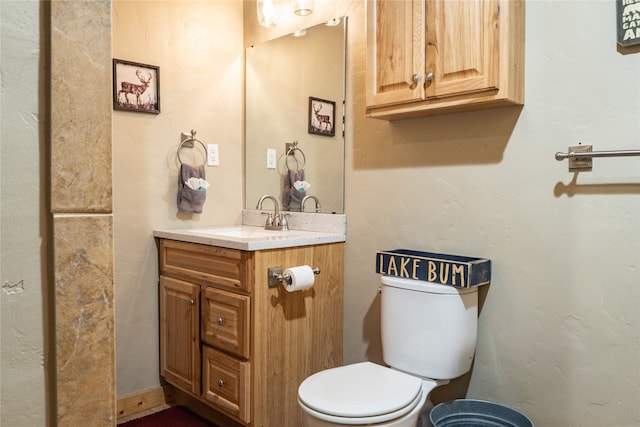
(291, 152)
(189, 143)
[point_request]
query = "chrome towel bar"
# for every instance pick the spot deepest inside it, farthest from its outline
(580, 156)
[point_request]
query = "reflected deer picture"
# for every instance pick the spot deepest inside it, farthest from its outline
(324, 120)
(322, 117)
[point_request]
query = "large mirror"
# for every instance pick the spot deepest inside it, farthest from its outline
(295, 91)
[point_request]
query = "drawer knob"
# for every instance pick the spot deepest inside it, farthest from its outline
(220, 382)
(220, 320)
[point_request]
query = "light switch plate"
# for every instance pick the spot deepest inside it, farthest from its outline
(271, 158)
(213, 158)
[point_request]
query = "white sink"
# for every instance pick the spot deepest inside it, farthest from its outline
(243, 232)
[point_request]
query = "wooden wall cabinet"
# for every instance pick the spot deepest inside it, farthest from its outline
(237, 347)
(428, 57)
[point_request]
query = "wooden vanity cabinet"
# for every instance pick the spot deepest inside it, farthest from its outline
(429, 57)
(237, 346)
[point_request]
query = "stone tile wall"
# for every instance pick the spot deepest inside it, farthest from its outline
(81, 205)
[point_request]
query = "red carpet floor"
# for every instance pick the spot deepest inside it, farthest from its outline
(176, 416)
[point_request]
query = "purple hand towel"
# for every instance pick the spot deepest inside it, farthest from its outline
(190, 201)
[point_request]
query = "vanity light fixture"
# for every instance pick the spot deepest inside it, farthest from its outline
(267, 16)
(300, 33)
(302, 7)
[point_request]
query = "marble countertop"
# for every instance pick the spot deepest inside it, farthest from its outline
(250, 238)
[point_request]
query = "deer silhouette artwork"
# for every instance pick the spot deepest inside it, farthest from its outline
(128, 88)
(324, 121)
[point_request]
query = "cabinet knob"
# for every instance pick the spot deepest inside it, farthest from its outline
(429, 76)
(191, 302)
(414, 81)
(220, 320)
(220, 382)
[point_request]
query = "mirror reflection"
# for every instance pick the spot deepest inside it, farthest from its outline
(295, 89)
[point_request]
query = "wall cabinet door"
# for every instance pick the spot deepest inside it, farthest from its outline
(462, 47)
(395, 51)
(179, 334)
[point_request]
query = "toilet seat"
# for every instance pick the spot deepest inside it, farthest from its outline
(375, 420)
(359, 394)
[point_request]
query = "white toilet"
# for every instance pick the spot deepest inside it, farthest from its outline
(428, 338)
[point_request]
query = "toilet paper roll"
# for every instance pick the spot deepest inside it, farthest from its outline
(302, 277)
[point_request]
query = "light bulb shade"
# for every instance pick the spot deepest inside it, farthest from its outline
(302, 7)
(266, 10)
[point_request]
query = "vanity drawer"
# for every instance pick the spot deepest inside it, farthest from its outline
(226, 383)
(225, 321)
(204, 264)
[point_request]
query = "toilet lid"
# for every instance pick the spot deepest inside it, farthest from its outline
(359, 390)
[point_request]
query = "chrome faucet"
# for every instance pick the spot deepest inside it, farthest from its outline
(275, 220)
(307, 198)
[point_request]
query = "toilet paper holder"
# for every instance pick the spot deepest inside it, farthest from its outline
(275, 277)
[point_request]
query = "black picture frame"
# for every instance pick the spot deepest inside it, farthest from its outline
(322, 117)
(136, 87)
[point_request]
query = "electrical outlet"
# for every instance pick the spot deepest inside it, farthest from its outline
(213, 158)
(271, 158)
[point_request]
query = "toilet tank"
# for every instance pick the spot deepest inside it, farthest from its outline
(428, 329)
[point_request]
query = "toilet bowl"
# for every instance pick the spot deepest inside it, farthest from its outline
(363, 394)
(428, 331)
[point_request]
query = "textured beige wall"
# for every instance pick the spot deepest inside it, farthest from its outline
(559, 333)
(23, 355)
(198, 47)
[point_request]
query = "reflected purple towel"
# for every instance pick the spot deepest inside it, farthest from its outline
(292, 198)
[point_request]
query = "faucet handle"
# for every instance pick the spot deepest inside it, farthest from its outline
(283, 220)
(269, 217)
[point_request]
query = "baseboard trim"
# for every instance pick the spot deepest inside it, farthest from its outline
(142, 403)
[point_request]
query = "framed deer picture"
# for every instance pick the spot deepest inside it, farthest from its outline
(322, 117)
(136, 87)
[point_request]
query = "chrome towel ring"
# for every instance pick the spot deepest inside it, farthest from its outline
(189, 143)
(291, 151)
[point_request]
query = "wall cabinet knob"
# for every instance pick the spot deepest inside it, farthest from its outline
(191, 302)
(220, 320)
(429, 76)
(414, 81)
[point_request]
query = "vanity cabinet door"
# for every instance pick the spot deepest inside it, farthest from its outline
(227, 384)
(179, 334)
(225, 321)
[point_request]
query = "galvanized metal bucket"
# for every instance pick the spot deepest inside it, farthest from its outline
(476, 413)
